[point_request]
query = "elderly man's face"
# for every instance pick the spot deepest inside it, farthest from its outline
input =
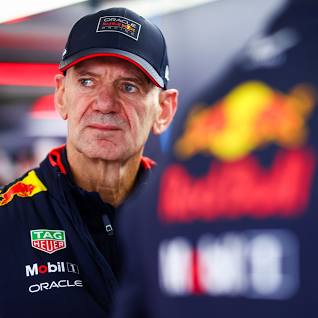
(111, 108)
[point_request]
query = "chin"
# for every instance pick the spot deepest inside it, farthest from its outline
(104, 149)
(109, 153)
(104, 154)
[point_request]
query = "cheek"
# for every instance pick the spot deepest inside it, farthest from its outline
(75, 101)
(76, 108)
(143, 118)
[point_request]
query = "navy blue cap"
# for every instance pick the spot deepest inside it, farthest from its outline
(122, 33)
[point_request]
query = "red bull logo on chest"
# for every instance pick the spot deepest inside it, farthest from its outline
(27, 187)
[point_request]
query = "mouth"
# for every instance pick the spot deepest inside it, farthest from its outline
(104, 127)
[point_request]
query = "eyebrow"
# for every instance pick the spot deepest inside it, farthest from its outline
(133, 76)
(138, 79)
(81, 72)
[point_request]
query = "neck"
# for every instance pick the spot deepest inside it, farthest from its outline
(111, 179)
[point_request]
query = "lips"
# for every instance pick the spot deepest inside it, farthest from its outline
(107, 122)
(104, 127)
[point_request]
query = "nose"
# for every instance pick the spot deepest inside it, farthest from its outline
(105, 100)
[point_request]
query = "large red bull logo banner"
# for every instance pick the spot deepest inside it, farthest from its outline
(251, 117)
(231, 264)
(27, 187)
(240, 189)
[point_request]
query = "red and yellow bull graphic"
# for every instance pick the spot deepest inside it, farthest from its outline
(250, 116)
(27, 187)
(239, 185)
(119, 24)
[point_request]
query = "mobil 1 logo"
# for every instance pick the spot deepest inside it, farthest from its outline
(48, 241)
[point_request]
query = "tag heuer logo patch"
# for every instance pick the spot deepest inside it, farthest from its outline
(48, 241)
(119, 24)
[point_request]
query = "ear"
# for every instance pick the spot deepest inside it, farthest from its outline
(168, 101)
(59, 95)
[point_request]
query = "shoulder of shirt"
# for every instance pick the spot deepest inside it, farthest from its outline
(26, 187)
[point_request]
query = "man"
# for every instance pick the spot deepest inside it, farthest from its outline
(58, 237)
(228, 224)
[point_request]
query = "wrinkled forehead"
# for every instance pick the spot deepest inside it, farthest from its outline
(114, 64)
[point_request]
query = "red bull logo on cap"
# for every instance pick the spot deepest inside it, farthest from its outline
(27, 187)
(250, 116)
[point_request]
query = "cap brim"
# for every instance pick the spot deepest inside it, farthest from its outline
(142, 64)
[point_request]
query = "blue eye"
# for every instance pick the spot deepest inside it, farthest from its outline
(130, 88)
(86, 82)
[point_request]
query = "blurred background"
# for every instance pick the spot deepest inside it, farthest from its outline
(203, 38)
